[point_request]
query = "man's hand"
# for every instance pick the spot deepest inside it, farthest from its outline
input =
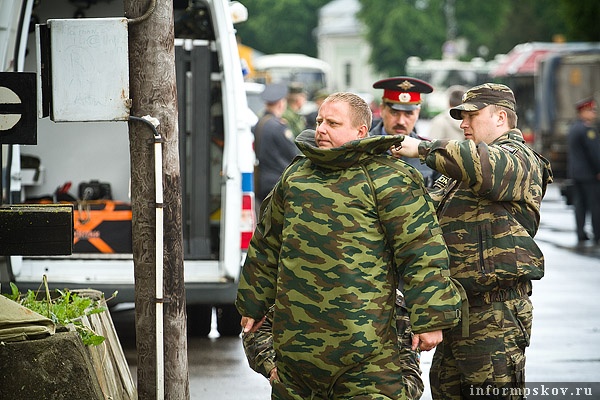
(427, 340)
(409, 148)
(273, 377)
(250, 325)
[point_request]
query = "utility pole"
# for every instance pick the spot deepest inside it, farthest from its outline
(153, 93)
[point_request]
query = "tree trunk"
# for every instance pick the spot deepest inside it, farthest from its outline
(153, 92)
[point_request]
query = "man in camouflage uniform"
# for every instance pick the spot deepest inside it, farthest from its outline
(488, 202)
(296, 98)
(342, 226)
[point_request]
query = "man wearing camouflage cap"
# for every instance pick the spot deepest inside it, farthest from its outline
(488, 203)
(341, 227)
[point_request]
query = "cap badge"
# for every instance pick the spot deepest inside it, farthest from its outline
(404, 97)
(405, 85)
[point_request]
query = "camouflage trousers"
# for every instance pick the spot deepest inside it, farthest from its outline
(370, 380)
(490, 363)
(261, 358)
(410, 360)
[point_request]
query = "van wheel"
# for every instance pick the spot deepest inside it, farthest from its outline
(228, 320)
(199, 319)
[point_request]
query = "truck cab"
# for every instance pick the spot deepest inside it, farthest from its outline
(216, 163)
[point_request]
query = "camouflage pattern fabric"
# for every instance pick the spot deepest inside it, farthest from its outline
(295, 121)
(489, 210)
(494, 354)
(258, 347)
(485, 95)
(343, 225)
(409, 360)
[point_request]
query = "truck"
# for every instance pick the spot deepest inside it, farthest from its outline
(443, 74)
(87, 164)
(548, 79)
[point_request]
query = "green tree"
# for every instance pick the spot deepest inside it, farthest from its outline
(399, 29)
(281, 26)
(406, 28)
(420, 27)
(581, 18)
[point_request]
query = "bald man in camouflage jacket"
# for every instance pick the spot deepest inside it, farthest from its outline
(343, 225)
(488, 205)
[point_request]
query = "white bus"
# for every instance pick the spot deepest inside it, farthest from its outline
(311, 72)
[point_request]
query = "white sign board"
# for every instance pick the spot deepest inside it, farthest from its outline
(89, 69)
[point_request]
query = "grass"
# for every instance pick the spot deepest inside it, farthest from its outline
(64, 308)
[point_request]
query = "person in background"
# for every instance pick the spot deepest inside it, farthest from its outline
(443, 126)
(311, 117)
(341, 227)
(376, 110)
(273, 141)
(489, 199)
(296, 98)
(400, 108)
(584, 168)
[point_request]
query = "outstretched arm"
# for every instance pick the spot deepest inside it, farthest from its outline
(409, 148)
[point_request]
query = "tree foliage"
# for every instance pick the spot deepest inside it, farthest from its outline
(482, 28)
(399, 29)
(281, 26)
(581, 18)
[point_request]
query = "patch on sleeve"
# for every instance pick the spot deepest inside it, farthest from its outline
(509, 148)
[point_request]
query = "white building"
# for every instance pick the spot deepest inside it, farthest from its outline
(341, 43)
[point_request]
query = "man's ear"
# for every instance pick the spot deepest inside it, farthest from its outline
(363, 132)
(502, 117)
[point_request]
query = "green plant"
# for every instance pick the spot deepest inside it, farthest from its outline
(66, 308)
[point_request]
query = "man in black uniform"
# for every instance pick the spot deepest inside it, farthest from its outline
(584, 167)
(273, 141)
(400, 108)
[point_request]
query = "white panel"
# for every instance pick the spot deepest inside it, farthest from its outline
(90, 69)
(10, 11)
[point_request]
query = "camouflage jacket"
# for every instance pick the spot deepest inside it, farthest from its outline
(489, 209)
(341, 227)
(260, 354)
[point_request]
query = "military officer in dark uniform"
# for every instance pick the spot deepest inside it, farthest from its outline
(273, 141)
(584, 167)
(400, 108)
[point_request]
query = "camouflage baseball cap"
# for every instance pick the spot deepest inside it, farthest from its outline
(481, 96)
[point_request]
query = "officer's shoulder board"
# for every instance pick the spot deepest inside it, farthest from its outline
(511, 149)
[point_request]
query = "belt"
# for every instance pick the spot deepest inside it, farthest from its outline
(521, 290)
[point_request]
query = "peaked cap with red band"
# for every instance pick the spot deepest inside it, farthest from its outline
(585, 104)
(403, 93)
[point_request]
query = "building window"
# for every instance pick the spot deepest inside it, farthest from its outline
(348, 74)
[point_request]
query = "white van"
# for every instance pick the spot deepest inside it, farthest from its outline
(217, 163)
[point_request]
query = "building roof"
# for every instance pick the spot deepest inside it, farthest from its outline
(338, 17)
